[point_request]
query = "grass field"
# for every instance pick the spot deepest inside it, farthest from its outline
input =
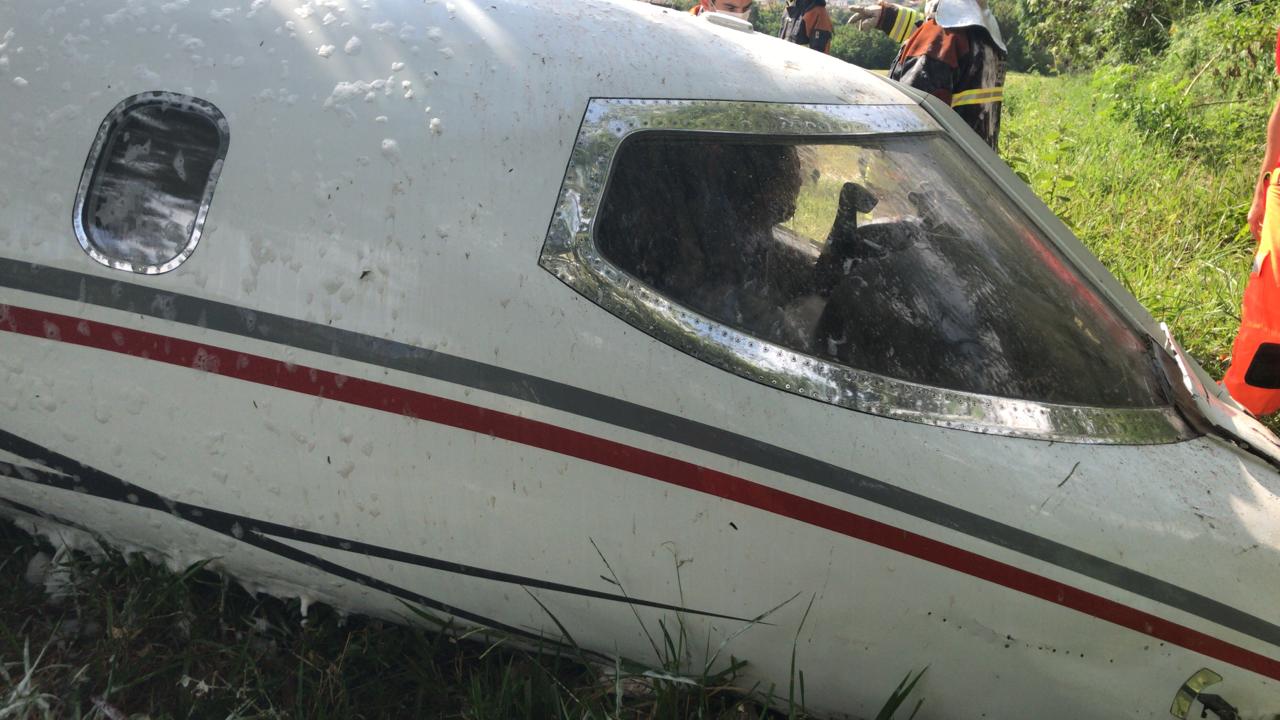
(127, 640)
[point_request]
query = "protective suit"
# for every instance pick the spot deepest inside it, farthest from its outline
(806, 22)
(953, 50)
(1254, 376)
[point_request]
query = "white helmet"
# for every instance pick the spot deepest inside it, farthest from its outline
(965, 13)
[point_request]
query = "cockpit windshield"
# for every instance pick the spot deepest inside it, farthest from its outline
(887, 254)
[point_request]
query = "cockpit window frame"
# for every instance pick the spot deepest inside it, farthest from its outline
(570, 253)
(91, 169)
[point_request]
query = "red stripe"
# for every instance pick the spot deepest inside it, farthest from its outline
(388, 398)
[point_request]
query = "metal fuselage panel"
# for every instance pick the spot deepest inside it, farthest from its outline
(389, 197)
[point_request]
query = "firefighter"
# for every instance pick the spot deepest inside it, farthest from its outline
(1254, 376)
(952, 50)
(806, 22)
(737, 8)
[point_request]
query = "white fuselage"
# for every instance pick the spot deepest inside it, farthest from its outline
(364, 365)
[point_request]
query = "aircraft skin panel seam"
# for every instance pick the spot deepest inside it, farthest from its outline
(344, 344)
(665, 469)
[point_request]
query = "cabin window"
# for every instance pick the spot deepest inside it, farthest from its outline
(148, 181)
(884, 254)
(856, 255)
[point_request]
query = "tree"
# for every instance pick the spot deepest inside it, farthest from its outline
(870, 49)
(767, 19)
(1024, 55)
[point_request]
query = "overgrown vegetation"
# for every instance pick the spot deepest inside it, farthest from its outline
(127, 639)
(122, 639)
(1210, 92)
(1078, 34)
(1168, 224)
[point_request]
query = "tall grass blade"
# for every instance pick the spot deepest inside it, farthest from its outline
(900, 695)
(793, 711)
(616, 581)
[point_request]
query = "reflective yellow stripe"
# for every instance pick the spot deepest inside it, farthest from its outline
(978, 97)
(895, 33)
(902, 24)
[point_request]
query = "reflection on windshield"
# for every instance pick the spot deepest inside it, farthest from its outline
(892, 256)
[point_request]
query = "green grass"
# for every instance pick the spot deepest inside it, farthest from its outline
(124, 639)
(1169, 224)
(134, 640)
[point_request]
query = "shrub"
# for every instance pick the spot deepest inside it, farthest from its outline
(1079, 33)
(1227, 52)
(1210, 93)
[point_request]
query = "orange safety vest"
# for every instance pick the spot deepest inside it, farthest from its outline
(1254, 376)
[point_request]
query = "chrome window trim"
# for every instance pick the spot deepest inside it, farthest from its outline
(91, 166)
(570, 254)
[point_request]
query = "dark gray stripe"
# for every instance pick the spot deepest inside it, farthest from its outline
(348, 345)
(76, 477)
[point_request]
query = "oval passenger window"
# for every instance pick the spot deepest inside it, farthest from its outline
(148, 182)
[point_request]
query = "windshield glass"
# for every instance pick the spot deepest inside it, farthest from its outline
(894, 255)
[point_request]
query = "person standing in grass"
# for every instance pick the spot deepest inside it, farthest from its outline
(1254, 376)
(738, 8)
(953, 50)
